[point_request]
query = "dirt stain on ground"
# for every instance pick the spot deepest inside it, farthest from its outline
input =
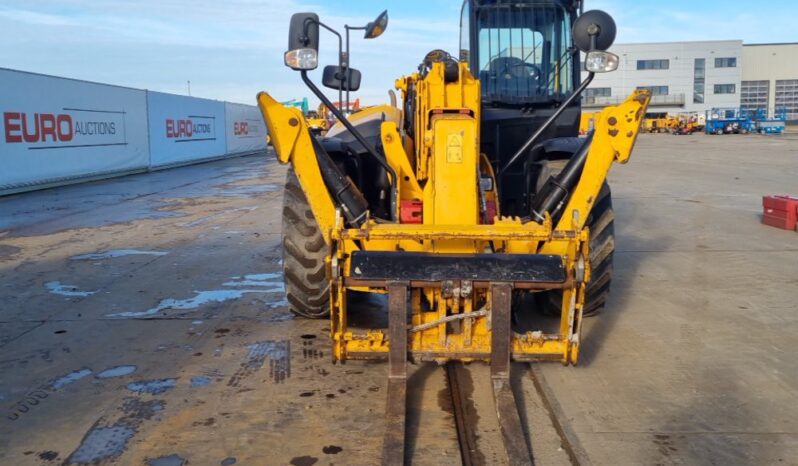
(332, 450)
(106, 441)
(665, 444)
(206, 422)
(304, 460)
(445, 401)
(6, 251)
(277, 352)
(48, 455)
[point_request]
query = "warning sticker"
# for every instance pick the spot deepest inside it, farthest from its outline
(454, 148)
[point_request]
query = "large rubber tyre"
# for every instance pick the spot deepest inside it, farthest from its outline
(601, 223)
(306, 285)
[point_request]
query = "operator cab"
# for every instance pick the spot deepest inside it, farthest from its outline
(521, 51)
(526, 55)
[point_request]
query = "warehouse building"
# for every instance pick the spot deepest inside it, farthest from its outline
(687, 77)
(770, 78)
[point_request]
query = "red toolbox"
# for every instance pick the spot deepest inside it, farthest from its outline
(780, 211)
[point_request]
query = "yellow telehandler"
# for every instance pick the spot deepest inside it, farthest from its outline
(471, 203)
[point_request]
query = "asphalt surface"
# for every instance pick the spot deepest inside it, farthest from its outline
(143, 322)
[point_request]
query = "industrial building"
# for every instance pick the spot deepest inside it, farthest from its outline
(686, 77)
(770, 78)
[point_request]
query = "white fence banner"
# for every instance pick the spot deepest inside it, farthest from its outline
(183, 128)
(246, 131)
(56, 129)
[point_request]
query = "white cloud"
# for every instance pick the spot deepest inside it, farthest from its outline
(33, 17)
(229, 50)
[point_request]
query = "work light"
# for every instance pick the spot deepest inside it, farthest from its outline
(302, 59)
(599, 61)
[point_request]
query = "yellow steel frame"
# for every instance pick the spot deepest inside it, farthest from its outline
(318, 123)
(439, 166)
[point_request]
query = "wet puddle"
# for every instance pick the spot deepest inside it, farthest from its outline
(117, 371)
(73, 376)
(250, 283)
(208, 218)
(102, 443)
(259, 279)
(200, 381)
(202, 297)
(116, 253)
(153, 387)
(170, 460)
(59, 288)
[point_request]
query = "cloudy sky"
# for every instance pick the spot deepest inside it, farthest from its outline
(231, 49)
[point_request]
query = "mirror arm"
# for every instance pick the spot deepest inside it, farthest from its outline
(346, 70)
(532, 139)
(340, 48)
(345, 65)
(358, 136)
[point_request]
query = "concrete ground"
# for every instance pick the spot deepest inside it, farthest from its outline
(143, 322)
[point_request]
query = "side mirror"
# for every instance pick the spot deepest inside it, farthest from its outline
(303, 42)
(377, 27)
(335, 77)
(594, 30)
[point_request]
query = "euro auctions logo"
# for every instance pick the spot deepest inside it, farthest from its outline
(19, 128)
(246, 129)
(67, 128)
(240, 128)
(190, 129)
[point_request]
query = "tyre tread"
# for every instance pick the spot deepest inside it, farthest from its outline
(304, 250)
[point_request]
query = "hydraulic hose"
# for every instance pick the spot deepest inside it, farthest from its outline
(349, 198)
(359, 137)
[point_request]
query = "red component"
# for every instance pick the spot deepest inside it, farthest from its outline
(490, 211)
(411, 211)
(780, 211)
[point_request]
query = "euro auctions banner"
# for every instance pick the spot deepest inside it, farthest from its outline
(56, 129)
(184, 128)
(246, 131)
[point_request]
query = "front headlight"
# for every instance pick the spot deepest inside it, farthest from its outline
(599, 61)
(302, 59)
